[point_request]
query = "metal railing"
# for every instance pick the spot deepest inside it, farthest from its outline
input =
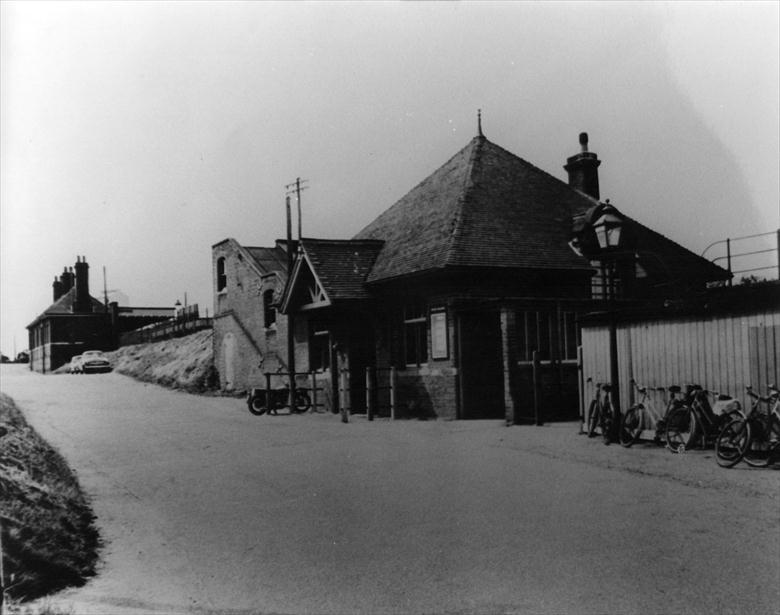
(311, 385)
(372, 390)
(731, 256)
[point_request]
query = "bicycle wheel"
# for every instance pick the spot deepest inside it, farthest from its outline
(681, 430)
(607, 423)
(763, 442)
(593, 418)
(257, 405)
(732, 442)
(631, 425)
(302, 401)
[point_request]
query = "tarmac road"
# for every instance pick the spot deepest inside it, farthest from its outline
(207, 509)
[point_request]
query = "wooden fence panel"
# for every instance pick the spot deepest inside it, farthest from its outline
(740, 354)
(725, 353)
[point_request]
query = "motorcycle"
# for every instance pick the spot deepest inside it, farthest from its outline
(259, 401)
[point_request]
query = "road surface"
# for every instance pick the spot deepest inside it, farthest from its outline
(205, 508)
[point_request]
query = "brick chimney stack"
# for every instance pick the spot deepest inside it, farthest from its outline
(83, 303)
(583, 169)
(64, 280)
(56, 287)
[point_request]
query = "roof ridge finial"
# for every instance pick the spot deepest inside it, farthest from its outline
(479, 123)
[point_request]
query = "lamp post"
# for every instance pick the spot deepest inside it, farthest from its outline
(606, 223)
(608, 226)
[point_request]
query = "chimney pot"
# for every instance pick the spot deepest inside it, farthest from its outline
(583, 169)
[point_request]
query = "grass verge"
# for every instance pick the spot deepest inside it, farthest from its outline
(49, 537)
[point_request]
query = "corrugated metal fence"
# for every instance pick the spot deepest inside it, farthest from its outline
(721, 353)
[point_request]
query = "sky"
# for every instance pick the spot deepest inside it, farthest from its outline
(139, 135)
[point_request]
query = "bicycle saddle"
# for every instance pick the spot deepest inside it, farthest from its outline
(675, 389)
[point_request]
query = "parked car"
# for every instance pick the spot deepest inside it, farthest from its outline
(93, 361)
(75, 364)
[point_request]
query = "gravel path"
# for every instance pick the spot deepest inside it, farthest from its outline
(208, 509)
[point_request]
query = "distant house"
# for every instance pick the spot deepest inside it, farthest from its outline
(76, 321)
(459, 282)
(250, 337)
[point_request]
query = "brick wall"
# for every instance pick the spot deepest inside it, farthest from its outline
(427, 392)
(62, 337)
(244, 349)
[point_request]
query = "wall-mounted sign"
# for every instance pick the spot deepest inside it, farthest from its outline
(439, 346)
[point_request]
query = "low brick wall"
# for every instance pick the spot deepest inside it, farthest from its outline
(427, 392)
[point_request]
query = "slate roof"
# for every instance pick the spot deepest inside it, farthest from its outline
(64, 306)
(342, 265)
(665, 257)
(485, 207)
(270, 259)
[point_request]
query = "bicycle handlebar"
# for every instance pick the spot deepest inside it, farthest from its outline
(774, 393)
(717, 394)
(645, 389)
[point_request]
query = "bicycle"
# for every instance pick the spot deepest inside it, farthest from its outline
(600, 412)
(755, 438)
(695, 421)
(260, 401)
(644, 415)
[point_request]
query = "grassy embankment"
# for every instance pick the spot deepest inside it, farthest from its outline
(182, 363)
(48, 534)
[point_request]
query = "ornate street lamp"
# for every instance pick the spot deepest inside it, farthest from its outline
(606, 223)
(607, 226)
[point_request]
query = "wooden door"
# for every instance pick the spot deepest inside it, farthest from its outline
(481, 366)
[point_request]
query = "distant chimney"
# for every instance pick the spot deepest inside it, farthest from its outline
(83, 303)
(56, 287)
(66, 279)
(583, 169)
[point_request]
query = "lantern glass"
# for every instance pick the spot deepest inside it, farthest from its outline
(608, 229)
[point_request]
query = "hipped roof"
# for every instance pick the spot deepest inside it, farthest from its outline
(485, 207)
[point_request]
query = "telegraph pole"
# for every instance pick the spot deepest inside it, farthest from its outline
(290, 317)
(295, 188)
(105, 289)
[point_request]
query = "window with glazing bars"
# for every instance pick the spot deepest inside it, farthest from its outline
(415, 335)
